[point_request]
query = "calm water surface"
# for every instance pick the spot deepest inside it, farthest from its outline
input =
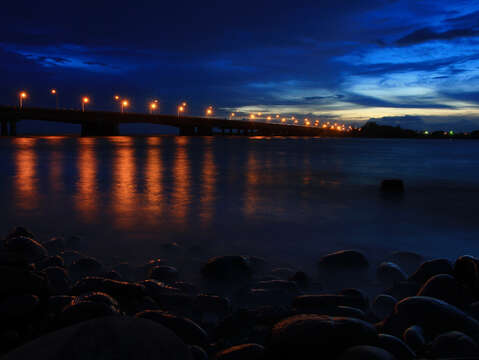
(287, 199)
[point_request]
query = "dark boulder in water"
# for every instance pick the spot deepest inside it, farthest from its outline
(445, 288)
(430, 268)
(344, 259)
(85, 310)
(466, 271)
(383, 306)
(27, 247)
(18, 281)
(186, 329)
(86, 266)
(365, 352)
(390, 273)
(198, 353)
(414, 337)
(50, 261)
(316, 303)
(20, 231)
(317, 336)
(395, 186)
(163, 273)
(120, 338)
(302, 279)
(98, 297)
(58, 280)
(55, 245)
(241, 352)
(407, 260)
(403, 289)
(227, 268)
(454, 344)
(17, 307)
(395, 346)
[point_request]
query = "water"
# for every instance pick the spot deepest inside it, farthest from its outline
(288, 199)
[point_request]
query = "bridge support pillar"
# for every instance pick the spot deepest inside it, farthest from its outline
(4, 128)
(187, 131)
(204, 131)
(13, 127)
(100, 128)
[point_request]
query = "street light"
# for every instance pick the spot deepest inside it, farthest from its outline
(55, 93)
(181, 108)
(84, 101)
(209, 111)
(252, 117)
(124, 104)
(23, 95)
(232, 115)
(153, 106)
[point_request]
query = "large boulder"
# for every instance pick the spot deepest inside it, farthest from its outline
(383, 306)
(18, 281)
(316, 303)
(163, 273)
(395, 346)
(86, 266)
(454, 344)
(407, 260)
(466, 271)
(106, 338)
(58, 280)
(27, 247)
(317, 336)
(190, 332)
(344, 259)
(241, 352)
(430, 268)
(444, 287)
(414, 337)
(227, 268)
(80, 311)
(365, 352)
(390, 273)
(18, 307)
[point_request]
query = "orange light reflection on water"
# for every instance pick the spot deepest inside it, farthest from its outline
(86, 199)
(25, 181)
(181, 176)
(208, 183)
(154, 176)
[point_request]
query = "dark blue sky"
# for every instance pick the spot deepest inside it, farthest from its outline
(412, 63)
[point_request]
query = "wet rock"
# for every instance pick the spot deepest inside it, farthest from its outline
(198, 353)
(18, 306)
(163, 273)
(433, 315)
(185, 287)
(50, 261)
(396, 347)
(106, 338)
(403, 290)
(466, 271)
(317, 336)
(17, 281)
(56, 304)
(156, 289)
(98, 297)
(262, 297)
(227, 268)
(445, 288)
(315, 303)
(395, 186)
(186, 329)
(114, 288)
(86, 266)
(242, 352)
(430, 268)
(20, 231)
(14, 260)
(361, 298)
(74, 242)
(366, 352)
(27, 247)
(55, 245)
(113, 275)
(414, 337)
(212, 304)
(390, 273)
(80, 311)
(283, 273)
(301, 279)
(344, 259)
(383, 306)
(58, 280)
(289, 286)
(178, 304)
(454, 344)
(407, 260)
(70, 256)
(125, 271)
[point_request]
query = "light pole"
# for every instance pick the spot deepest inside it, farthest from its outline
(180, 110)
(124, 104)
(84, 101)
(55, 93)
(22, 96)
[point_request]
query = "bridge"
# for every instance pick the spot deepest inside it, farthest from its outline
(103, 123)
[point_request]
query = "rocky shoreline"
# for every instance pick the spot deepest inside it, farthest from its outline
(58, 303)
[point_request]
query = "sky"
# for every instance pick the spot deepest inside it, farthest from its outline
(409, 63)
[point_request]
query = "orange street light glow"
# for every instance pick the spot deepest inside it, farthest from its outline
(209, 111)
(184, 104)
(252, 116)
(23, 95)
(181, 109)
(117, 97)
(86, 100)
(53, 91)
(153, 106)
(268, 118)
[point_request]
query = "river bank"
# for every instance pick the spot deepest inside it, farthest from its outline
(237, 307)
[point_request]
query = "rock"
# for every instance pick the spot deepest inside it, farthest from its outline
(390, 273)
(414, 337)
(395, 186)
(302, 279)
(433, 315)
(283, 273)
(14, 260)
(86, 266)
(383, 306)
(339, 311)
(407, 260)
(366, 352)
(113, 275)
(262, 297)
(98, 297)
(185, 287)
(55, 245)
(466, 271)
(18, 307)
(403, 290)
(50, 261)
(257, 264)
(58, 280)
(396, 347)
(361, 298)
(242, 352)
(70, 256)
(56, 304)
(198, 353)
(445, 288)
(20, 231)
(317, 336)
(315, 303)
(30, 249)
(17, 281)
(186, 329)
(430, 268)
(212, 304)
(227, 268)
(290, 286)
(106, 338)
(80, 311)
(163, 273)
(156, 289)
(344, 259)
(454, 344)
(125, 271)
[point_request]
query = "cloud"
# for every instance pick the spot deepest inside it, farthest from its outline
(428, 34)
